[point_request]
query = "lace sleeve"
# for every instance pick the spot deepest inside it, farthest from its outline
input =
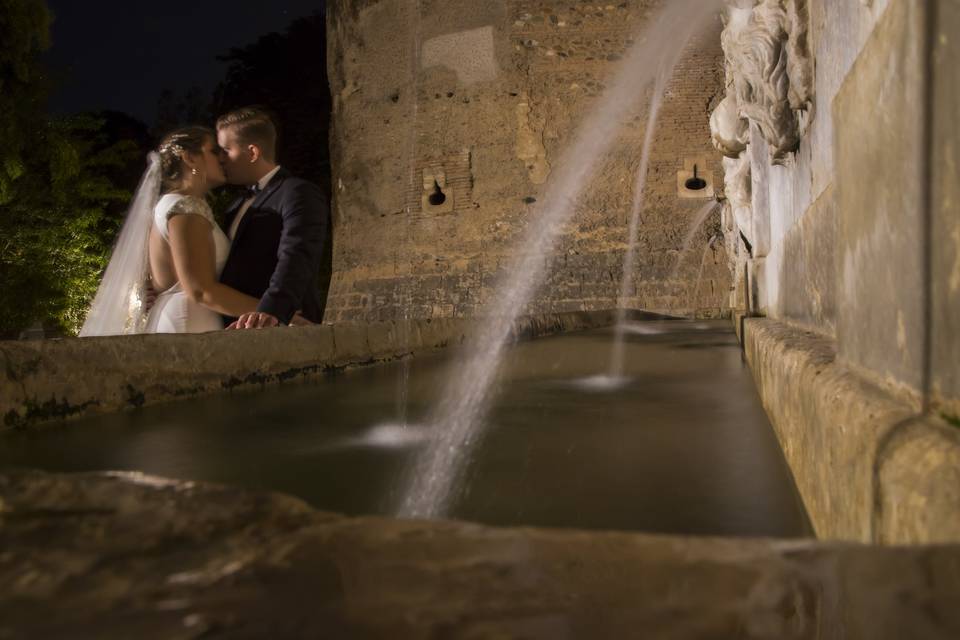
(191, 204)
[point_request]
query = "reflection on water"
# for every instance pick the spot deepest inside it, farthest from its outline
(599, 383)
(681, 445)
(657, 327)
(386, 436)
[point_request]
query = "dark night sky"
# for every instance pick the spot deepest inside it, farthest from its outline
(120, 54)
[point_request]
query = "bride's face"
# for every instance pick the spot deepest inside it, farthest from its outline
(209, 162)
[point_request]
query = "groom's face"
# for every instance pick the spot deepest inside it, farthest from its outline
(235, 158)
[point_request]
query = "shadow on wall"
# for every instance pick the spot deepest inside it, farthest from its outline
(326, 268)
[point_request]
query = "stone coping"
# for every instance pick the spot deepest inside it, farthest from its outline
(867, 466)
(125, 555)
(50, 380)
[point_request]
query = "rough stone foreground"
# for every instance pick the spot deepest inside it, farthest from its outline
(131, 556)
(869, 466)
(48, 380)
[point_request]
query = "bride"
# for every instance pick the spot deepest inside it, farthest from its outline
(170, 243)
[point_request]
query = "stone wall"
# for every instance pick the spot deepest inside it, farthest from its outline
(50, 380)
(943, 231)
(476, 100)
(841, 143)
(868, 466)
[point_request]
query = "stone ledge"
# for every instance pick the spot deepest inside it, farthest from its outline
(867, 466)
(49, 380)
(127, 555)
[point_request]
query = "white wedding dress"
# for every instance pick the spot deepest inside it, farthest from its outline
(173, 311)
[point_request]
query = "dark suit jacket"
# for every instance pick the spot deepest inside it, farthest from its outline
(275, 255)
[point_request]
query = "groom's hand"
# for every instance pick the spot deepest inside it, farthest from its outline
(254, 320)
(149, 296)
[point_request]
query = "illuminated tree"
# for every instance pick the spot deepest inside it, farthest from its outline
(25, 33)
(60, 207)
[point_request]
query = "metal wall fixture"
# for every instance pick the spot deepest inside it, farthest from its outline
(436, 196)
(695, 181)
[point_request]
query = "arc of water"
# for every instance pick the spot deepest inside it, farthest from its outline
(465, 400)
(696, 287)
(639, 191)
(698, 219)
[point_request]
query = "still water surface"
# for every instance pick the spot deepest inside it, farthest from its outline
(682, 445)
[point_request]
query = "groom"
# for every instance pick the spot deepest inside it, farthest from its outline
(276, 230)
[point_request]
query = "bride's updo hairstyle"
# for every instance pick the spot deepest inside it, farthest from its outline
(172, 149)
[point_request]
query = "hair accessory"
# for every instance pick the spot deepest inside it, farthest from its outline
(171, 148)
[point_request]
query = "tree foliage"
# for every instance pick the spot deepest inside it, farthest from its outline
(178, 108)
(60, 207)
(286, 72)
(25, 33)
(57, 230)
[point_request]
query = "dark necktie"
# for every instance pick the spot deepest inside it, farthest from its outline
(253, 190)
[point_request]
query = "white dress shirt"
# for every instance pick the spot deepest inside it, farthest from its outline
(262, 183)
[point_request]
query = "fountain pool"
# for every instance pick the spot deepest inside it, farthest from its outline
(683, 446)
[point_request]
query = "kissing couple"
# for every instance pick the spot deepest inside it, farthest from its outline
(174, 270)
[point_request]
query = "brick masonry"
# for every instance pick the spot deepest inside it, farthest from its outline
(495, 142)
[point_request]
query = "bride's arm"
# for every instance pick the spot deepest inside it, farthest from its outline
(194, 258)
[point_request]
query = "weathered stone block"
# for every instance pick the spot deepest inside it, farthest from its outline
(878, 160)
(807, 268)
(350, 344)
(760, 191)
(945, 231)
(918, 484)
(128, 555)
(866, 466)
(383, 340)
(758, 280)
(437, 333)
(49, 380)
(46, 380)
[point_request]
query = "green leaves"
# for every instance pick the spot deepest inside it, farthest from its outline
(64, 184)
(58, 226)
(24, 32)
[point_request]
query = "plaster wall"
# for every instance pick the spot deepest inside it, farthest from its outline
(480, 99)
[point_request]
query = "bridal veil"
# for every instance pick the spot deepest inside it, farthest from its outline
(119, 306)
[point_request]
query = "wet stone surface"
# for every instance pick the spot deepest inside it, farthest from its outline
(128, 555)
